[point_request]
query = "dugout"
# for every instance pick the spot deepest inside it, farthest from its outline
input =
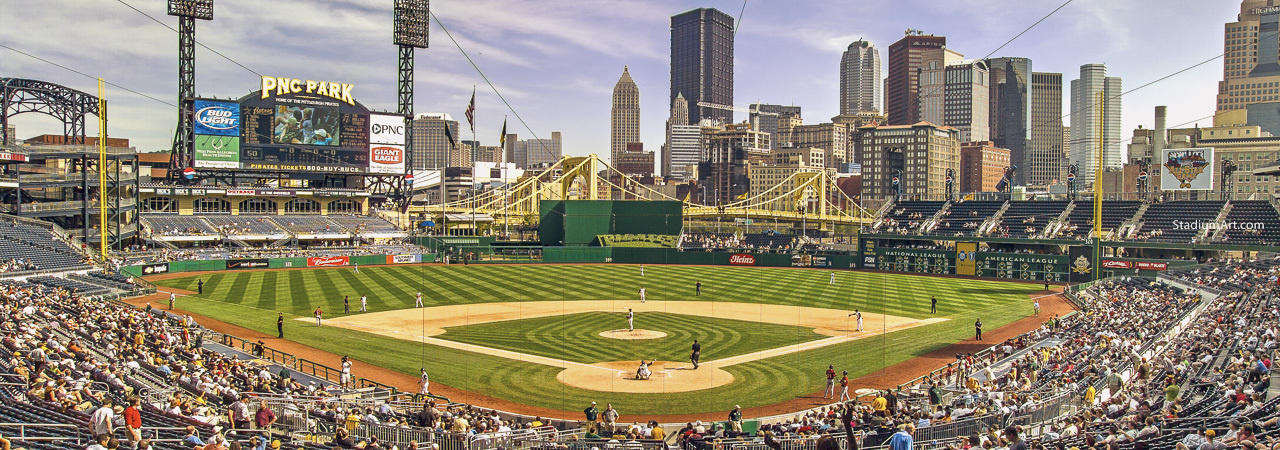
(579, 223)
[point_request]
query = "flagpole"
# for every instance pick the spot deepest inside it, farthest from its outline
(506, 188)
(474, 231)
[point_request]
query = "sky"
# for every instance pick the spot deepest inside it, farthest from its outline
(556, 61)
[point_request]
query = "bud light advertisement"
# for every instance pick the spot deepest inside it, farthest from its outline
(217, 118)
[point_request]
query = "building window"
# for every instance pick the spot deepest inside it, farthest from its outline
(302, 206)
(258, 206)
(344, 207)
(160, 205)
(211, 205)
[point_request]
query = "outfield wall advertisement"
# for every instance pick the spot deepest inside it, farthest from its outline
(403, 259)
(258, 263)
(327, 261)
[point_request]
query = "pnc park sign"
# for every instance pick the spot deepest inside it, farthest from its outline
(286, 86)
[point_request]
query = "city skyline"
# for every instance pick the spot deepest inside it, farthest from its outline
(556, 61)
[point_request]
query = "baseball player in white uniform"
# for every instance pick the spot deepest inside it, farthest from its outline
(641, 295)
(833, 278)
(346, 372)
(418, 303)
(631, 316)
(859, 316)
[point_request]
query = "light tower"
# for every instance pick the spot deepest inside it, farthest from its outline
(412, 25)
(187, 12)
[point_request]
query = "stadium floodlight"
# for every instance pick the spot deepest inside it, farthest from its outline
(198, 9)
(412, 22)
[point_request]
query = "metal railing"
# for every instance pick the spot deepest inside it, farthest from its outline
(23, 427)
(259, 350)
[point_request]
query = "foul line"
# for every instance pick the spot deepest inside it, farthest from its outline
(563, 364)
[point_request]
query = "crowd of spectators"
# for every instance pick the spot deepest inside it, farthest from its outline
(1138, 379)
(17, 265)
(145, 255)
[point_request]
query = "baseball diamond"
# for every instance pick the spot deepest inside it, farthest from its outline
(534, 329)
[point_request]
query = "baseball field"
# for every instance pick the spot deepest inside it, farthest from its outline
(557, 336)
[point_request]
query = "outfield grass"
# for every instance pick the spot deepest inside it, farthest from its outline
(252, 298)
(576, 337)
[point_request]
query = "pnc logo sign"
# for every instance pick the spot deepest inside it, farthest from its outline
(386, 155)
(741, 259)
(387, 129)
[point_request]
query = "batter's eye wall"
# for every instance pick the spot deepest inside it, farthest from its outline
(579, 222)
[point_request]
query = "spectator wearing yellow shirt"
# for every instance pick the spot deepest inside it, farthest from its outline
(880, 404)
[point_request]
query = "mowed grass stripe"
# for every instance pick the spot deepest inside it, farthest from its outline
(575, 337)
(756, 383)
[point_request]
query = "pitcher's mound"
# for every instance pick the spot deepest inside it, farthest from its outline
(620, 376)
(633, 335)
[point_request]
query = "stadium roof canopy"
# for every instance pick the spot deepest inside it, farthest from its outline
(1269, 169)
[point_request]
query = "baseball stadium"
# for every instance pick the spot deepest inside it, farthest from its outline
(287, 277)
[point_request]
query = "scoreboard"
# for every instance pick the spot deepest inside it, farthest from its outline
(293, 126)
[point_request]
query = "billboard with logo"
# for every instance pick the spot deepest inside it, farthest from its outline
(403, 259)
(327, 261)
(217, 128)
(294, 125)
(742, 259)
(1186, 169)
(217, 152)
(967, 258)
(1080, 265)
(217, 118)
(386, 143)
(155, 269)
(256, 263)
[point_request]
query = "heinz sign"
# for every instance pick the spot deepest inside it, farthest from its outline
(742, 259)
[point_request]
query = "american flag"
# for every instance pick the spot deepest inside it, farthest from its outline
(471, 111)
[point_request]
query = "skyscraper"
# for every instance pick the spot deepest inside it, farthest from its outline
(777, 121)
(1011, 94)
(1251, 68)
(1044, 158)
(1241, 54)
(683, 148)
(431, 148)
(625, 117)
(532, 153)
(860, 82)
(1095, 121)
(967, 107)
(932, 83)
(702, 62)
(902, 88)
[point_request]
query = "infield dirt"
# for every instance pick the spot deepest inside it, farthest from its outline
(423, 324)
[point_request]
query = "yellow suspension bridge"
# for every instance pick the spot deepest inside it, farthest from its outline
(589, 178)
